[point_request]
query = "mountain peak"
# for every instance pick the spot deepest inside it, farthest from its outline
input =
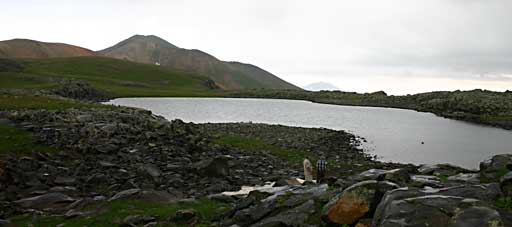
(321, 86)
(147, 40)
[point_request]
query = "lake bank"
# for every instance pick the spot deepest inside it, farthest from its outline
(79, 163)
(392, 134)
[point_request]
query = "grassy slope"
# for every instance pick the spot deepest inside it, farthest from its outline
(118, 77)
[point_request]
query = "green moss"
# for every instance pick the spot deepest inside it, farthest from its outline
(501, 172)
(19, 141)
(282, 198)
(443, 178)
(116, 211)
(504, 202)
(252, 144)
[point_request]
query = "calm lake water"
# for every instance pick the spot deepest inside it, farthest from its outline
(392, 134)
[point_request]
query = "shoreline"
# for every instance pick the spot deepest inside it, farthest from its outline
(83, 163)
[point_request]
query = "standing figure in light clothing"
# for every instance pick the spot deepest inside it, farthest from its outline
(308, 170)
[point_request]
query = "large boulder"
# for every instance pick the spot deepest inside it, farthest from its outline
(187, 216)
(291, 206)
(453, 206)
(470, 178)
(293, 217)
(49, 200)
(399, 176)
(355, 202)
(215, 167)
(491, 170)
(152, 196)
(441, 170)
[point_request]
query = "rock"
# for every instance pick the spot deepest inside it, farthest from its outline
(441, 170)
(80, 90)
(506, 184)
(153, 196)
(44, 201)
(436, 210)
(439, 207)
(135, 220)
(355, 202)
(371, 174)
(477, 216)
(254, 213)
(4, 222)
(125, 194)
(221, 198)
(64, 180)
(62, 189)
(152, 170)
(188, 216)
(216, 167)
(5, 121)
(287, 182)
(426, 180)
(491, 170)
(106, 164)
(74, 213)
(399, 176)
(472, 178)
(293, 217)
(107, 148)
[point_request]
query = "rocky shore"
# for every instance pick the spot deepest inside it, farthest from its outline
(127, 167)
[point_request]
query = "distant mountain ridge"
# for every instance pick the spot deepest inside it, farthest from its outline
(26, 48)
(321, 86)
(156, 51)
(228, 75)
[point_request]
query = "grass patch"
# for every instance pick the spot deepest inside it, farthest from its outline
(502, 172)
(116, 211)
(16, 102)
(19, 141)
(252, 144)
(10, 80)
(504, 202)
(443, 178)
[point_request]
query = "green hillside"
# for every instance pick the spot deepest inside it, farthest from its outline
(117, 77)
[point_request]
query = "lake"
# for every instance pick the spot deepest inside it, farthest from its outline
(391, 134)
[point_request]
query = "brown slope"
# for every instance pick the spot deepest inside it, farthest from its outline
(228, 75)
(25, 48)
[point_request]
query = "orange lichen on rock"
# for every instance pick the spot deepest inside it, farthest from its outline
(349, 208)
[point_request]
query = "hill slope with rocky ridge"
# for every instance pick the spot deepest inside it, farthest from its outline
(26, 48)
(228, 75)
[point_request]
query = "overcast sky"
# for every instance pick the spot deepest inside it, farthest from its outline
(401, 46)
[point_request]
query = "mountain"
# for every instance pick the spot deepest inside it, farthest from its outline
(321, 86)
(25, 48)
(227, 75)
